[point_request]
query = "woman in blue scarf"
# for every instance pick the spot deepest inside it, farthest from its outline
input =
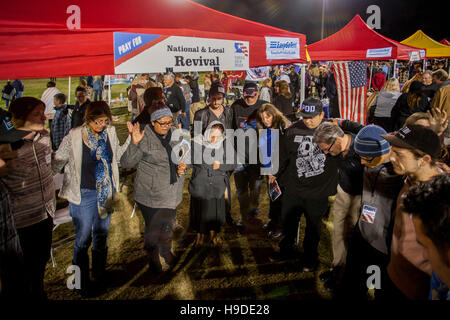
(90, 155)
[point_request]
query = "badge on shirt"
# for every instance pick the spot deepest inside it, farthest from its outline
(368, 214)
(48, 158)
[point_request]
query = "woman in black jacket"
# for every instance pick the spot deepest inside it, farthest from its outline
(284, 99)
(407, 104)
(270, 118)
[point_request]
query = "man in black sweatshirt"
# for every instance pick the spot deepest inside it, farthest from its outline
(79, 109)
(308, 177)
(247, 177)
(175, 97)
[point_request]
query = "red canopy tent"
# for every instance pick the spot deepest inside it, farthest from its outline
(445, 41)
(353, 42)
(35, 40)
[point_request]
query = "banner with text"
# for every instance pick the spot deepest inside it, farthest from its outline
(379, 53)
(282, 48)
(137, 53)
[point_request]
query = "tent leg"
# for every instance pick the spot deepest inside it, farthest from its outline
(68, 93)
(424, 68)
(395, 67)
(109, 91)
(370, 77)
(302, 83)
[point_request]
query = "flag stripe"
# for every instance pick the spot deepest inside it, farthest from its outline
(352, 90)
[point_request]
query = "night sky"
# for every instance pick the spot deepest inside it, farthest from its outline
(399, 18)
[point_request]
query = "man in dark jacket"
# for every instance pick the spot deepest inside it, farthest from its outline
(80, 106)
(214, 111)
(295, 83)
(309, 177)
(175, 97)
(332, 94)
(247, 176)
(18, 85)
(333, 140)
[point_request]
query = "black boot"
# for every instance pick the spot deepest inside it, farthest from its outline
(154, 264)
(81, 260)
(98, 266)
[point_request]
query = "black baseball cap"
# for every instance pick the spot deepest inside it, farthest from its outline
(250, 89)
(416, 137)
(9, 134)
(216, 87)
(310, 108)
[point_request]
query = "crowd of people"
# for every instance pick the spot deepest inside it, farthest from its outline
(381, 174)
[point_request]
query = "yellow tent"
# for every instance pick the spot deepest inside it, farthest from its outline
(434, 49)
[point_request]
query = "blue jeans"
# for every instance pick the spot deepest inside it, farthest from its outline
(86, 222)
(97, 93)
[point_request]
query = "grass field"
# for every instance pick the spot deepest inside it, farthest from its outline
(240, 269)
(35, 88)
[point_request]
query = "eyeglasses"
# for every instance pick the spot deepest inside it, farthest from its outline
(164, 124)
(81, 95)
(100, 122)
(331, 146)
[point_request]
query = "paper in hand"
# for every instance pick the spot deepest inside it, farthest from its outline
(274, 190)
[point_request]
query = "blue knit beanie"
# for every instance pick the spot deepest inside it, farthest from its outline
(160, 113)
(369, 143)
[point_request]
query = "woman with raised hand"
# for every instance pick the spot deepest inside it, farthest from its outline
(158, 186)
(90, 155)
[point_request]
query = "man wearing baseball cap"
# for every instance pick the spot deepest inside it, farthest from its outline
(11, 258)
(247, 177)
(415, 150)
(309, 177)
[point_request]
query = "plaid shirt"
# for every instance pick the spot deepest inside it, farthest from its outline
(61, 125)
(9, 240)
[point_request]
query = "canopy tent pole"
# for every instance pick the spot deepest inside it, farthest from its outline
(395, 66)
(302, 83)
(68, 93)
(109, 90)
(370, 78)
(424, 68)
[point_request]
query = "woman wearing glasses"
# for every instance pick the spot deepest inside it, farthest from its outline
(90, 155)
(158, 185)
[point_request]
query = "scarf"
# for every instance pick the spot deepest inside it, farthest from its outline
(165, 141)
(102, 156)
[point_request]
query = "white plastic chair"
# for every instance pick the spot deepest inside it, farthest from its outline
(62, 216)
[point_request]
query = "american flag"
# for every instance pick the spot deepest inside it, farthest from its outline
(241, 48)
(351, 85)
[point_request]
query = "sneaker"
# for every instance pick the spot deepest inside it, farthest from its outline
(275, 234)
(325, 276)
(253, 213)
(310, 266)
(330, 285)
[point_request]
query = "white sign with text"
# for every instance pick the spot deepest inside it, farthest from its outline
(137, 53)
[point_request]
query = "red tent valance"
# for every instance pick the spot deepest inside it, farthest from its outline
(35, 40)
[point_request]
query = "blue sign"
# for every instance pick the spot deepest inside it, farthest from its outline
(124, 43)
